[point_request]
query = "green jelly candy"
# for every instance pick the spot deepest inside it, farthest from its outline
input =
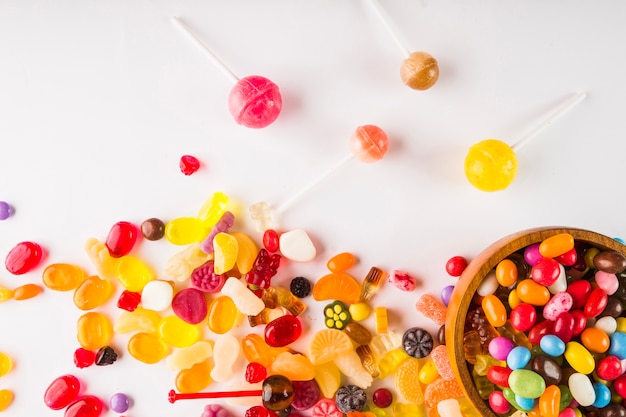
(526, 383)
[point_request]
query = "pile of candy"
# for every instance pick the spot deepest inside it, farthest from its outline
(545, 335)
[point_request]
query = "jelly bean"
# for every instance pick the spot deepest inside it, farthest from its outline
(523, 317)
(92, 292)
(157, 295)
(499, 347)
(213, 208)
(402, 280)
(595, 340)
(619, 385)
(525, 403)
(328, 378)
(185, 230)
(23, 257)
(596, 302)
(341, 262)
(533, 293)
(147, 347)
(428, 373)
(607, 324)
(545, 271)
(119, 402)
(296, 245)
(185, 358)
(456, 265)
(6, 210)
(94, 330)
(506, 272)
(582, 389)
(121, 239)
(446, 294)
(225, 353)
(556, 245)
(559, 303)
(5, 294)
(85, 406)
(177, 332)
(245, 300)
(194, 379)
(568, 258)
(549, 401)
(61, 392)
(26, 291)
(532, 254)
(580, 322)
(608, 282)
(564, 326)
(190, 305)
(609, 368)
(432, 309)
(518, 357)
(350, 365)
(138, 320)
(526, 383)
(588, 256)
(6, 364)
(560, 285)
(62, 277)
(513, 299)
(549, 370)
(579, 357)
(133, 273)
(554, 346)
(499, 375)
(293, 366)
(579, 290)
(221, 314)
(611, 262)
(618, 345)
(246, 252)
(152, 229)
(488, 285)
(494, 310)
(283, 331)
(181, 265)
(498, 403)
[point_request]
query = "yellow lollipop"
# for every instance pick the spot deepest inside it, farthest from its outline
(491, 165)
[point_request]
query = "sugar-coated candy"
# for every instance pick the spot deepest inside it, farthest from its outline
(306, 394)
(490, 165)
(456, 265)
(190, 305)
(147, 347)
(92, 292)
(224, 223)
(23, 257)
(225, 353)
(215, 410)
(121, 239)
(402, 280)
(439, 390)
(431, 308)
(349, 363)
(177, 332)
(94, 330)
(6, 210)
(326, 408)
(440, 357)
(194, 379)
(185, 358)
(350, 398)
(85, 406)
(119, 402)
(417, 342)
(157, 295)
(181, 265)
(61, 391)
(245, 300)
(188, 164)
(255, 101)
(419, 70)
(300, 287)
(106, 355)
(369, 143)
(296, 245)
(152, 229)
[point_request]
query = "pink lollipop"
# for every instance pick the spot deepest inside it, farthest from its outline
(254, 101)
(368, 144)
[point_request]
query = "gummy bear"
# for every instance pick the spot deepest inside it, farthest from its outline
(264, 268)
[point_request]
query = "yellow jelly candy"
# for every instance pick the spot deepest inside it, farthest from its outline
(328, 344)
(380, 316)
(185, 230)
(408, 410)
(100, 257)
(390, 362)
(181, 265)
(94, 330)
(247, 252)
(359, 311)
(194, 379)
(428, 373)
(328, 378)
(185, 358)
(5, 363)
(490, 165)
(406, 383)
(140, 320)
(293, 366)
(62, 277)
(147, 347)
(349, 363)
(226, 249)
(6, 398)
(213, 209)
(133, 273)
(178, 333)
(5, 294)
(221, 314)
(92, 293)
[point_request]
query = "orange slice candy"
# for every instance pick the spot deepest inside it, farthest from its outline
(337, 286)
(327, 345)
(407, 383)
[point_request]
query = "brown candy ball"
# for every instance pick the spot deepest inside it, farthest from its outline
(419, 71)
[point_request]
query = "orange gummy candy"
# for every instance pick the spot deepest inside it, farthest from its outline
(432, 308)
(337, 286)
(439, 390)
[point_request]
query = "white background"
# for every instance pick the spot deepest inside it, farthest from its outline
(99, 100)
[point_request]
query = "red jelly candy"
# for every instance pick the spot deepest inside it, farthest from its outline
(87, 406)
(545, 271)
(121, 239)
(564, 327)
(539, 330)
(620, 386)
(270, 240)
(255, 372)
(61, 392)
(189, 164)
(283, 331)
(569, 258)
(523, 317)
(596, 302)
(23, 257)
(580, 322)
(456, 265)
(84, 358)
(579, 290)
(499, 375)
(609, 368)
(190, 305)
(129, 300)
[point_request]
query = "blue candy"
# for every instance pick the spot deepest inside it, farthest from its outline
(518, 357)
(603, 395)
(618, 345)
(552, 345)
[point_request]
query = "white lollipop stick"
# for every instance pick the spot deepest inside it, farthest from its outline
(560, 111)
(390, 27)
(295, 197)
(204, 48)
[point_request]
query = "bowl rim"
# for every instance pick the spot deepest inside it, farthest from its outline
(473, 275)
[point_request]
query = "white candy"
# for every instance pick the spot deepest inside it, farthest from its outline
(449, 408)
(244, 299)
(560, 285)
(226, 352)
(185, 358)
(489, 285)
(581, 389)
(296, 245)
(157, 295)
(607, 324)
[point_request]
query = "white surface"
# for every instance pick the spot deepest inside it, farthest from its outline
(98, 101)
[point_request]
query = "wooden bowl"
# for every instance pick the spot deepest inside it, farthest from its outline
(474, 274)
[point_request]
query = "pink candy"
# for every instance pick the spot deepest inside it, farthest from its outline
(559, 303)
(499, 347)
(402, 280)
(190, 305)
(255, 102)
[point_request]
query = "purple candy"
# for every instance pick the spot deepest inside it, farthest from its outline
(6, 210)
(306, 394)
(119, 403)
(224, 223)
(215, 410)
(446, 293)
